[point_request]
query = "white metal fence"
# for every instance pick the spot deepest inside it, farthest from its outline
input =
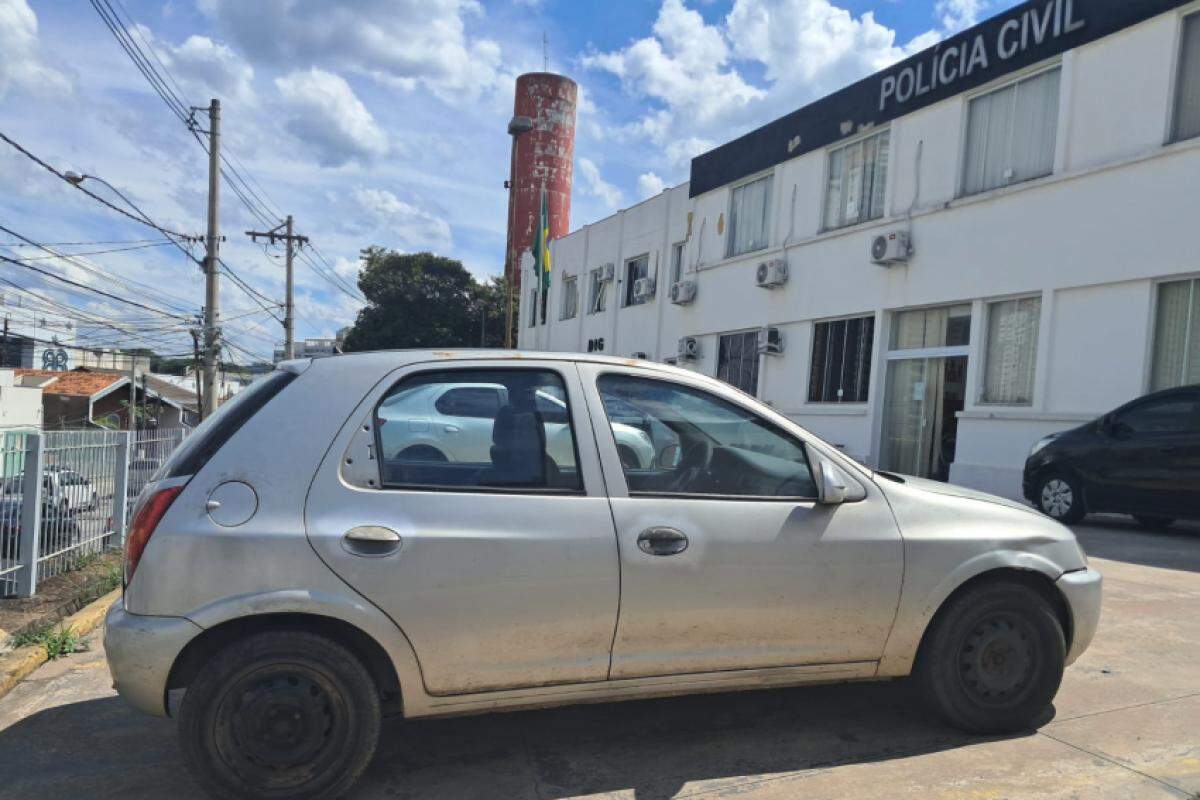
(80, 486)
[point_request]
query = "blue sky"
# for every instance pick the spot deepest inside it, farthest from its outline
(382, 121)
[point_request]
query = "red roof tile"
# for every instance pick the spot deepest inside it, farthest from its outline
(74, 384)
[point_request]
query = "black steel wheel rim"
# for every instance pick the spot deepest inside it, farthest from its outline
(998, 659)
(280, 727)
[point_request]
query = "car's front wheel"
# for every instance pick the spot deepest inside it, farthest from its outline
(992, 659)
(280, 714)
(1059, 496)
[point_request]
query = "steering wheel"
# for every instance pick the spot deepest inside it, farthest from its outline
(694, 459)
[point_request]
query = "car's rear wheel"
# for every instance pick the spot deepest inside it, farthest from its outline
(1153, 521)
(281, 714)
(992, 659)
(1059, 496)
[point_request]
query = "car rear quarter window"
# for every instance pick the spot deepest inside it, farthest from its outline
(1174, 414)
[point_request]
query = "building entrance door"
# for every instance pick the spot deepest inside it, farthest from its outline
(920, 427)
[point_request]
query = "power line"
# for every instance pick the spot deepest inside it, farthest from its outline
(85, 287)
(89, 252)
(94, 242)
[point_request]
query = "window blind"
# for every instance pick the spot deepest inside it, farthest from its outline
(749, 208)
(1011, 356)
(1011, 133)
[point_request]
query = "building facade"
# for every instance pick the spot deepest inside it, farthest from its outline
(937, 266)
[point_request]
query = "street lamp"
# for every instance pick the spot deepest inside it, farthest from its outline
(77, 179)
(518, 126)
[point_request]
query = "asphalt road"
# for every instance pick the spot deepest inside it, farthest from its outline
(1125, 726)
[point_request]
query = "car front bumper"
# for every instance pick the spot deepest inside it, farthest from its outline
(141, 650)
(1081, 588)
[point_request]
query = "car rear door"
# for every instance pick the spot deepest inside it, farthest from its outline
(735, 565)
(503, 573)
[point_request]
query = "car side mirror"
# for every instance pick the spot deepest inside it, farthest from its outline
(831, 485)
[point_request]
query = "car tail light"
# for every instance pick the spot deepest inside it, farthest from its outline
(145, 519)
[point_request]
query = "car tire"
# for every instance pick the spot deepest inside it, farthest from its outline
(1154, 522)
(422, 452)
(992, 660)
(1060, 497)
(280, 714)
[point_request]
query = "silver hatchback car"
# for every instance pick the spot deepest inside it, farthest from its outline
(299, 580)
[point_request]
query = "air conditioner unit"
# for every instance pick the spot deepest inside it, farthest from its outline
(689, 348)
(643, 288)
(891, 248)
(771, 273)
(607, 271)
(683, 292)
(640, 355)
(770, 341)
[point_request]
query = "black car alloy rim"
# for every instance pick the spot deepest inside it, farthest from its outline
(998, 659)
(281, 726)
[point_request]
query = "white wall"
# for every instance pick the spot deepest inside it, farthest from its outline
(1091, 239)
(20, 406)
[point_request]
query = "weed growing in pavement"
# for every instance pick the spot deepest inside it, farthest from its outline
(60, 642)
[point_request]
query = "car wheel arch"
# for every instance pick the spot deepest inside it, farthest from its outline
(1034, 579)
(378, 663)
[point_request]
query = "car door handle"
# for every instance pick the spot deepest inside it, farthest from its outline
(451, 429)
(661, 541)
(371, 540)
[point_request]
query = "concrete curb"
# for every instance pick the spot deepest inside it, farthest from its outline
(16, 666)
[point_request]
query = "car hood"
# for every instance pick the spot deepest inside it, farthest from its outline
(950, 490)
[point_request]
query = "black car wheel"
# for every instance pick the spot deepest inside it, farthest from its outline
(1154, 522)
(1059, 496)
(992, 660)
(281, 714)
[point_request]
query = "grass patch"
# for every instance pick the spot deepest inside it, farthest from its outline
(111, 579)
(58, 642)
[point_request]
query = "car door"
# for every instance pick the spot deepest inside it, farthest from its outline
(727, 561)
(1149, 461)
(502, 573)
(464, 416)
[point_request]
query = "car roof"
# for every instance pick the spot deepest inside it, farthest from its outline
(392, 359)
(1191, 388)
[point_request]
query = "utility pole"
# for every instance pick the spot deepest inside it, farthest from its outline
(132, 392)
(196, 370)
(290, 240)
(212, 262)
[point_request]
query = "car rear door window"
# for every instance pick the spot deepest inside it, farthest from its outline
(1167, 415)
(493, 430)
(700, 444)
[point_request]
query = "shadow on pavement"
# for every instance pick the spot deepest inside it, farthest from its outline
(1121, 538)
(653, 748)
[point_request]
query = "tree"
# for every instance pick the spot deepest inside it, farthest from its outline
(417, 300)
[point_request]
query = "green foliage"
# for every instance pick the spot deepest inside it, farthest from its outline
(418, 300)
(111, 578)
(60, 642)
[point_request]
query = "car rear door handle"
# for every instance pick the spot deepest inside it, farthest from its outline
(371, 540)
(662, 541)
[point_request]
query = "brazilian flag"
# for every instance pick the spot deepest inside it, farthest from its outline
(541, 252)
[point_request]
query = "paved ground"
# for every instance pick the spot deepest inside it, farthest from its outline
(1125, 726)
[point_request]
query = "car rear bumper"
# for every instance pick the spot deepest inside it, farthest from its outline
(141, 650)
(1082, 591)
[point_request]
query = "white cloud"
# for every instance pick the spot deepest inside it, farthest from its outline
(325, 113)
(595, 185)
(695, 73)
(21, 66)
(955, 15)
(212, 69)
(649, 185)
(404, 43)
(404, 223)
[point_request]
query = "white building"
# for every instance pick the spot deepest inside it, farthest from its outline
(1045, 168)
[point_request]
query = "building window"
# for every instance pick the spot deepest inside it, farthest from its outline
(533, 307)
(920, 328)
(1011, 356)
(1176, 359)
(677, 263)
(841, 361)
(1011, 133)
(570, 297)
(1187, 93)
(635, 270)
(596, 292)
(749, 213)
(737, 360)
(857, 175)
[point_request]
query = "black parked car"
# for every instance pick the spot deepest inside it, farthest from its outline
(1142, 459)
(57, 526)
